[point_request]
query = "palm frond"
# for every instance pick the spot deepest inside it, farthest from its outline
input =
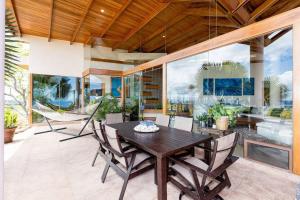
(11, 61)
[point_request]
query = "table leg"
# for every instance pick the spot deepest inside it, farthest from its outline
(162, 176)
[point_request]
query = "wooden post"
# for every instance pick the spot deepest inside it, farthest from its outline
(296, 98)
(30, 99)
(164, 89)
(82, 93)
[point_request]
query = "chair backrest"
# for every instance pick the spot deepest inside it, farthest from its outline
(114, 118)
(224, 147)
(183, 123)
(113, 139)
(162, 120)
(98, 130)
(115, 144)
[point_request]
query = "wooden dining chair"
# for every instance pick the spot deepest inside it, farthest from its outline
(99, 129)
(162, 120)
(203, 181)
(183, 123)
(133, 161)
(99, 136)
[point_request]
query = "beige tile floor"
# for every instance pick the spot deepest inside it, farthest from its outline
(41, 168)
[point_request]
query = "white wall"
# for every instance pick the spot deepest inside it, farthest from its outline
(121, 55)
(56, 57)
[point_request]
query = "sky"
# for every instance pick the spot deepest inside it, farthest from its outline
(277, 62)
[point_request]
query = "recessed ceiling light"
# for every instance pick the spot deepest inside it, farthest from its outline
(102, 11)
(163, 36)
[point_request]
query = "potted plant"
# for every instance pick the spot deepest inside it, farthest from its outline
(224, 116)
(202, 120)
(10, 124)
(109, 104)
(132, 109)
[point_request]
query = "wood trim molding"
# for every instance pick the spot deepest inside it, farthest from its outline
(30, 99)
(95, 71)
(164, 89)
(112, 61)
(280, 21)
(296, 98)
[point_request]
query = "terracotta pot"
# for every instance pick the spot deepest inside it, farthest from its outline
(9, 134)
(222, 123)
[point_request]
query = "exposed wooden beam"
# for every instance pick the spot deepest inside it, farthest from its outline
(192, 1)
(96, 71)
(111, 61)
(204, 12)
(51, 19)
(223, 8)
(222, 22)
(288, 6)
(241, 4)
(114, 19)
(261, 9)
(179, 36)
(158, 31)
(141, 25)
(269, 41)
(87, 8)
(197, 37)
(13, 10)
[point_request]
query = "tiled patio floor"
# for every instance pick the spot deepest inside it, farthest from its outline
(41, 168)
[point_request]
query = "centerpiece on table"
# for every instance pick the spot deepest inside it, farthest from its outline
(146, 127)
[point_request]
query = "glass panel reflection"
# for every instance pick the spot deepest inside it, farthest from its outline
(248, 82)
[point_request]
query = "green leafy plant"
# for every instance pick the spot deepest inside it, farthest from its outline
(11, 58)
(219, 110)
(109, 104)
(10, 118)
(132, 107)
(203, 117)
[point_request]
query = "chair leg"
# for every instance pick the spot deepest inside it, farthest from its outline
(126, 178)
(107, 166)
(218, 197)
(124, 187)
(95, 158)
(181, 195)
(155, 174)
(227, 179)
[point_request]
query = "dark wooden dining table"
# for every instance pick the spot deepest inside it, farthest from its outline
(166, 142)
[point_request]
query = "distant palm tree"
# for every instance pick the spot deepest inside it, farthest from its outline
(11, 46)
(63, 88)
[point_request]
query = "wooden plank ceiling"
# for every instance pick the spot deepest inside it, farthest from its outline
(140, 25)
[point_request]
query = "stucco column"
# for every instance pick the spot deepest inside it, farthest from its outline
(257, 70)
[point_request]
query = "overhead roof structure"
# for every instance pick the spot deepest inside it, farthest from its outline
(140, 25)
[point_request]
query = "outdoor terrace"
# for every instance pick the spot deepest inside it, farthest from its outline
(42, 168)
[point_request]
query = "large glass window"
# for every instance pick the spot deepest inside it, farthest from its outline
(96, 86)
(251, 79)
(57, 92)
(132, 96)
